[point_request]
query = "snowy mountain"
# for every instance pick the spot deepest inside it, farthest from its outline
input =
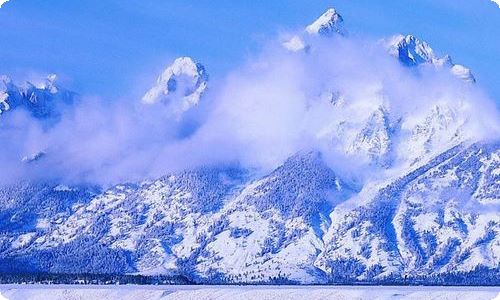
(410, 51)
(301, 222)
(428, 207)
(327, 24)
(441, 217)
(179, 87)
(43, 100)
(413, 52)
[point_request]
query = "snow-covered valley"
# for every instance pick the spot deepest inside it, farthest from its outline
(13, 292)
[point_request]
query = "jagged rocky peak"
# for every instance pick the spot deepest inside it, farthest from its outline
(328, 24)
(42, 98)
(331, 22)
(410, 50)
(180, 86)
(413, 52)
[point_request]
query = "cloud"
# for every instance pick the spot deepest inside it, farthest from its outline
(497, 2)
(278, 103)
(2, 2)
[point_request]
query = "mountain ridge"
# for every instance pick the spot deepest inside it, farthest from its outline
(428, 206)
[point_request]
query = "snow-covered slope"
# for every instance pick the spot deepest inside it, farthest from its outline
(441, 217)
(301, 222)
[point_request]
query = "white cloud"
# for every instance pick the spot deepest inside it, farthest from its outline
(2, 2)
(279, 103)
(497, 2)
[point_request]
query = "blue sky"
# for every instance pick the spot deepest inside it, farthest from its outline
(114, 47)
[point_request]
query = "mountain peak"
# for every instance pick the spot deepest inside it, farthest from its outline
(330, 22)
(179, 86)
(42, 99)
(410, 50)
(414, 52)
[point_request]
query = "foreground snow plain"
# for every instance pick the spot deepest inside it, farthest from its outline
(130, 292)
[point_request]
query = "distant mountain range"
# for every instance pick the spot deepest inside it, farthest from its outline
(435, 210)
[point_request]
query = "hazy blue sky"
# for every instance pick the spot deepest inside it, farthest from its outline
(115, 47)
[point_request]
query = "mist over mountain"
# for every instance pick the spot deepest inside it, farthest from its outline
(325, 158)
(280, 102)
